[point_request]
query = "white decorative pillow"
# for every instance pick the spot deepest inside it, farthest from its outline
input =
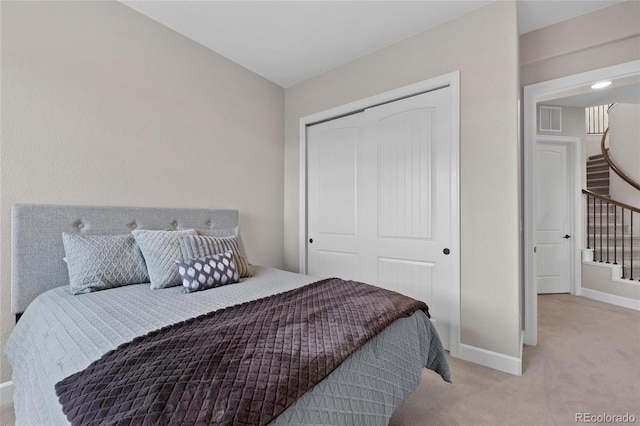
(161, 250)
(207, 272)
(98, 262)
(193, 246)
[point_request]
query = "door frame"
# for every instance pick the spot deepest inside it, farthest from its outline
(451, 80)
(576, 159)
(534, 93)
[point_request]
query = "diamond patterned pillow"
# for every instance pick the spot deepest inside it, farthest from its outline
(208, 272)
(160, 250)
(192, 246)
(98, 262)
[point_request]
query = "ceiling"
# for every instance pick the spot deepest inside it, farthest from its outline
(623, 90)
(289, 41)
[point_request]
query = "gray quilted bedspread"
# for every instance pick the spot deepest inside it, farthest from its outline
(61, 334)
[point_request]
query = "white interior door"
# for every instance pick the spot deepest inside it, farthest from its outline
(553, 218)
(379, 200)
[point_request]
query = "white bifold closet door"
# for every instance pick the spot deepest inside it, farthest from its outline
(378, 194)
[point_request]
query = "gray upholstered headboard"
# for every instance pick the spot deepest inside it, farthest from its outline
(36, 240)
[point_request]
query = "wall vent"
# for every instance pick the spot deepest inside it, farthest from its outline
(550, 119)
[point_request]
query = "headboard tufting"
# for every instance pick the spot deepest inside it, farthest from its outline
(36, 239)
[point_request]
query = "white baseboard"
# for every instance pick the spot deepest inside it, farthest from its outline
(495, 360)
(6, 393)
(624, 302)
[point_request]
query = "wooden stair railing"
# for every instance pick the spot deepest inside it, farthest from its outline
(611, 235)
(613, 166)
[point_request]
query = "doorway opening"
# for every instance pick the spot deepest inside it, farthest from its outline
(622, 75)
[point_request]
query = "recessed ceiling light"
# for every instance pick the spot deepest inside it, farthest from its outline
(601, 85)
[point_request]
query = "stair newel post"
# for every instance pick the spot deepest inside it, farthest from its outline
(588, 224)
(594, 227)
(631, 245)
(608, 222)
(601, 245)
(622, 249)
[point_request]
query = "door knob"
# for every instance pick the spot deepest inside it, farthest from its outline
(567, 236)
(310, 240)
(446, 251)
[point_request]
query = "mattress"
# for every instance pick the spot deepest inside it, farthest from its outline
(60, 334)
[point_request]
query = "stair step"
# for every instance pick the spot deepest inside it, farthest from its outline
(597, 161)
(598, 182)
(606, 218)
(605, 205)
(595, 157)
(610, 222)
(598, 174)
(628, 241)
(598, 168)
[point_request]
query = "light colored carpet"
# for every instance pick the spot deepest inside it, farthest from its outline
(587, 361)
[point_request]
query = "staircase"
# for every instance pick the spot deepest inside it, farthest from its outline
(598, 175)
(610, 224)
(611, 261)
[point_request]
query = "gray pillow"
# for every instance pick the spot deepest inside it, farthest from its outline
(98, 262)
(161, 250)
(193, 246)
(207, 272)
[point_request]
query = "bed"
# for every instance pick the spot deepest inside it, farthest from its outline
(60, 334)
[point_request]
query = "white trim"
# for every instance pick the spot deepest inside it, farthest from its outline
(6, 393)
(612, 299)
(495, 360)
(451, 80)
(532, 94)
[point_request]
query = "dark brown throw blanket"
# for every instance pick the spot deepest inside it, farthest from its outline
(243, 365)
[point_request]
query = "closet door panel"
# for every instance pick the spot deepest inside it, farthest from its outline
(332, 168)
(404, 199)
(405, 175)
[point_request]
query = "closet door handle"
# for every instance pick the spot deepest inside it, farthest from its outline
(446, 251)
(310, 240)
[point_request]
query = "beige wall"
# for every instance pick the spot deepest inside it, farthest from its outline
(599, 39)
(624, 145)
(598, 277)
(572, 122)
(486, 56)
(102, 106)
